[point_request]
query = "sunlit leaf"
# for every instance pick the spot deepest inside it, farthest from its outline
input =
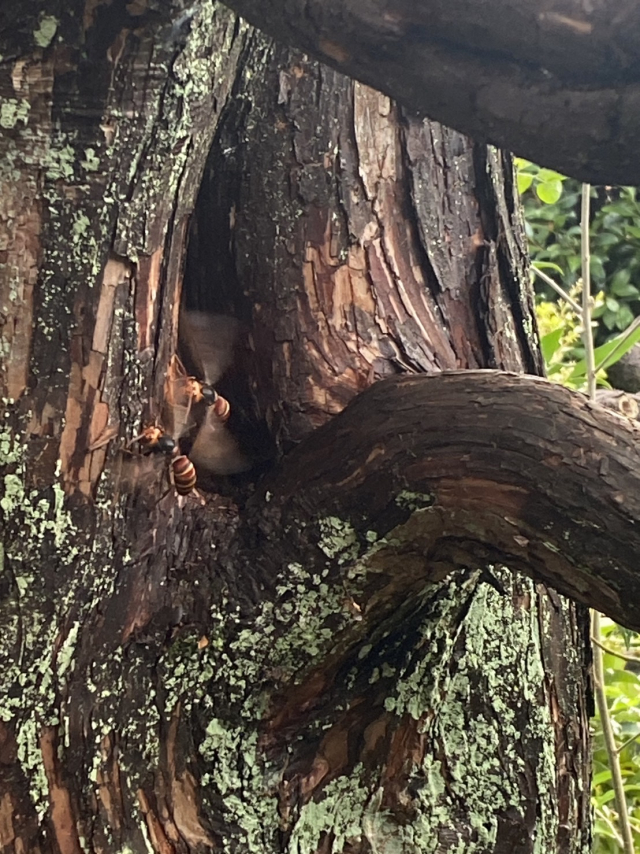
(624, 676)
(525, 180)
(549, 192)
(604, 798)
(546, 176)
(550, 343)
(620, 277)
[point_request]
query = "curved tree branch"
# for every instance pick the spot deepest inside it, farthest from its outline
(466, 469)
(553, 82)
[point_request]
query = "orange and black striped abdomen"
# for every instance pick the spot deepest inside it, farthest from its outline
(184, 474)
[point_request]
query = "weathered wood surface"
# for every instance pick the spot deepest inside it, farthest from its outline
(499, 469)
(556, 83)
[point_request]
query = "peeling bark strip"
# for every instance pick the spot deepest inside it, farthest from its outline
(552, 82)
(490, 468)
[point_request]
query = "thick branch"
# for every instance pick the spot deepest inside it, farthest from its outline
(474, 468)
(556, 83)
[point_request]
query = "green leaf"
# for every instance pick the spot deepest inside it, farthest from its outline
(603, 241)
(624, 676)
(544, 265)
(524, 182)
(627, 290)
(597, 269)
(546, 176)
(549, 343)
(604, 798)
(631, 789)
(602, 828)
(620, 277)
(549, 192)
(601, 777)
(603, 353)
(608, 627)
(624, 316)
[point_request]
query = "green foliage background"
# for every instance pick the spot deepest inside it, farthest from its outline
(622, 688)
(552, 216)
(552, 213)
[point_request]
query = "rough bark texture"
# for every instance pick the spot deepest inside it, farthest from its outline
(557, 82)
(185, 675)
(403, 253)
(500, 469)
(107, 117)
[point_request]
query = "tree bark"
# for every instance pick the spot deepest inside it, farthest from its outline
(530, 475)
(258, 671)
(389, 265)
(554, 82)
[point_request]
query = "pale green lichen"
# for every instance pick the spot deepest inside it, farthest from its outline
(144, 831)
(32, 679)
(65, 654)
(196, 78)
(60, 163)
(339, 813)
(188, 670)
(231, 753)
(13, 111)
(81, 226)
(91, 162)
(414, 501)
(41, 515)
(387, 835)
(337, 537)
(285, 637)
(30, 758)
(47, 28)
(481, 771)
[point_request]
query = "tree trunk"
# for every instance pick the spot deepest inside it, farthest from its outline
(195, 674)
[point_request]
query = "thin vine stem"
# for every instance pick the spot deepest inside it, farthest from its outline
(609, 740)
(587, 329)
(558, 289)
(622, 655)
